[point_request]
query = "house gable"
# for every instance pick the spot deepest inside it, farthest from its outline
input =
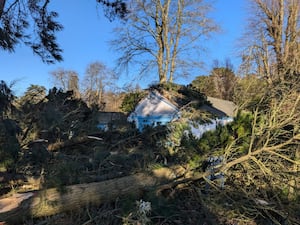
(155, 105)
(153, 110)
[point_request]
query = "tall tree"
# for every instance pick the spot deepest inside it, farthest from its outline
(9, 145)
(224, 79)
(30, 22)
(113, 101)
(220, 83)
(73, 83)
(30, 107)
(60, 78)
(97, 78)
(33, 95)
(275, 44)
(205, 84)
(67, 80)
(164, 35)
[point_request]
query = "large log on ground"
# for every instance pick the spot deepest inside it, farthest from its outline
(52, 201)
(73, 142)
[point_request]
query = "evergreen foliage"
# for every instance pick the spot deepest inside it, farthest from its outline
(182, 95)
(130, 101)
(6, 99)
(9, 129)
(219, 84)
(9, 145)
(34, 24)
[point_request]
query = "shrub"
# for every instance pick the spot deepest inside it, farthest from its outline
(131, 100)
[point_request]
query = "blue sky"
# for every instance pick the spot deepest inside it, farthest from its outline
(85, 40)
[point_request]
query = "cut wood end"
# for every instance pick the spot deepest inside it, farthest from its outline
(13, 202)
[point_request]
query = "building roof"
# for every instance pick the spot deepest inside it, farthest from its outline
(221, 107)
(163, 101)
(155, 104)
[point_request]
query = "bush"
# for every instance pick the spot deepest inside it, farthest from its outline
(131, 100)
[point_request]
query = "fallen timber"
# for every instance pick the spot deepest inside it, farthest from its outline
(52, 201)
(73, 142)
(17, 207)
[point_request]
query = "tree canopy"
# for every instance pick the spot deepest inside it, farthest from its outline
(32, 23)
(164, 37)
(6, 98)
(220, 82)
(271, 43)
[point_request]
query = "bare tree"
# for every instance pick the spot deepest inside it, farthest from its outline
(113, 101)
(220, 82)
(224, 79)
(59, 78)
(275, 47)
(97, 78)
(67, 80)
(164, 35)
(73, 83)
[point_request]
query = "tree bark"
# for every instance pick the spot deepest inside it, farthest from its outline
(18, 207)
(72, 142)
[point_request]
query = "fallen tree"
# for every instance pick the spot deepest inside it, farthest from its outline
(73, 142)
(261, 165)
(47, 202)
(17, 207)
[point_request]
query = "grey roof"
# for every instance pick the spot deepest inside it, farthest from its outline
(221, 107)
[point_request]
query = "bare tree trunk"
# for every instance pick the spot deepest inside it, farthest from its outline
(73, 142)
(165, 27)
(164, 31)
(53, 201)
(48, 202)
(160, 43)
(176, 40)
(275, 27)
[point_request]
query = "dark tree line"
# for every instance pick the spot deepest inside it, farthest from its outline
(56, 116)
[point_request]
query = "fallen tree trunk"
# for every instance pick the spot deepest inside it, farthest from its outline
(72, 142)
(47, 202)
